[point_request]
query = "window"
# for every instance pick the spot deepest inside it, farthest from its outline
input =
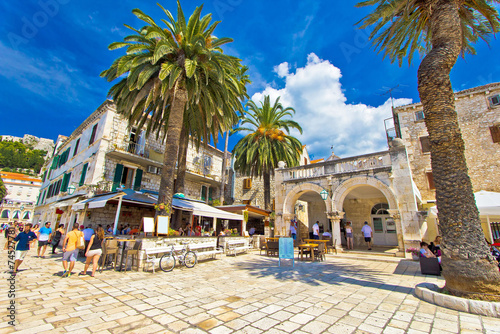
(247, 183)
(203, 193)
(419, 115)
(495, 100)
(92, 136)
(430, 180)
(380, 209)
(425, 144)
(247, 201)
(495, 133)
(76, 147)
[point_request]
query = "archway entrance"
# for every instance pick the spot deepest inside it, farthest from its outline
(366, 203)
(309, 208)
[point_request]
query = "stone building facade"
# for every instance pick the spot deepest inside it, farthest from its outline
(478, 111)
(392, 190)
(104, 154)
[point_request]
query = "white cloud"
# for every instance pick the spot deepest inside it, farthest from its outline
(282, 69)
(315, 92)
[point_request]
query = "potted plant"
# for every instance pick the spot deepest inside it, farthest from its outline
(414, 253)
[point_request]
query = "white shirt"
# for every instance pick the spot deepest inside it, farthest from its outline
(316, 229)
(367, 231)
(327, 234)
(293, 230)
(252, 230)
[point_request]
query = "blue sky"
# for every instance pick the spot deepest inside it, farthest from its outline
(309, 52)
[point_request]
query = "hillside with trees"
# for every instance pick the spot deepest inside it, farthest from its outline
(16, 155)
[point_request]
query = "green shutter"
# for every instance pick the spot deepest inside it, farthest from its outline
(65, 182)
(118, 177)
(54, 162)
(138, 179)
(203, 193)
(210, 192)
(84, 173)
(44, 176)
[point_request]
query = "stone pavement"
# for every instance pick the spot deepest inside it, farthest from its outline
(243, 294)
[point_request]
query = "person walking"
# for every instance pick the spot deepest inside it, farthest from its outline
(368, 234)
(94, 251)
(23, 239)
(70, 250)
(57, 237)
(293, 229)
(44, 238)
(349, 236)
(316, 230)
(87, 234)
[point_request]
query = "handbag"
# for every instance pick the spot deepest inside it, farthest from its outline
(81, 242)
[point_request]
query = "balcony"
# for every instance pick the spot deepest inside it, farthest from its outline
(134, 152)
(339, 166)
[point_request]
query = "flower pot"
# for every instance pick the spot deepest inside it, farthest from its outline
(414, 257)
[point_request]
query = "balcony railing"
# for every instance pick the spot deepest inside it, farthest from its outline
(353, 164)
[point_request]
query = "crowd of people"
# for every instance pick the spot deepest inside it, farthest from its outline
(84, 241)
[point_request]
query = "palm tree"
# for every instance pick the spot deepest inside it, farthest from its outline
(443, 30)
(258, 153)
(174, 73)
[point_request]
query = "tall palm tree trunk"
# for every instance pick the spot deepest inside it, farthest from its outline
(175, 124)
(181, 161)
(468, 267)
(267, 190)
(223, 174)
(181, 172)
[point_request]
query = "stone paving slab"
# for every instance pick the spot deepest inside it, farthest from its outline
(248, 293)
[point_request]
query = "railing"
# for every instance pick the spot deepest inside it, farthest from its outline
(353, 164)
(200, 168)
(134, 148)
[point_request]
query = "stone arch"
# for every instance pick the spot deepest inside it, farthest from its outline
(345, 187)
(293, 195)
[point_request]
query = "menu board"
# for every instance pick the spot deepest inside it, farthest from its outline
(162, 227)
(149, 224)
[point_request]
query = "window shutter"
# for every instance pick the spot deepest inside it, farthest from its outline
(118, 177)
(495, 133)
(44, 176)
(65, 182)
(247, 183)
(54, 162)
(425, 143)
(92, 136)
(203, 193)
(138, 179)
(76, 147)
(83, 175)
(210, 193)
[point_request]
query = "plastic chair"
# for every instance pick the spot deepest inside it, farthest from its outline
(109, 248)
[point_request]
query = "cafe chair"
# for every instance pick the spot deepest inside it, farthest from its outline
(262, 244)
(134, 254)
(272, 248)
(320, 252)
(109, 248)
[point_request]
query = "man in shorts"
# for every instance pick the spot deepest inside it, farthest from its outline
(368, 234)
(316, 230)
(23, 239)
(44, 238)
(70, 250)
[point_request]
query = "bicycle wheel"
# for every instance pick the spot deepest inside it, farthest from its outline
(167, 262)
(190, 259)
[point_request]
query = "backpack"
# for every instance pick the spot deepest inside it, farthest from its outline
(80, 243)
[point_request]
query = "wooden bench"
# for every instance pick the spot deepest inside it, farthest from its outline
(153, 255)
(206, 248)
(237, 246)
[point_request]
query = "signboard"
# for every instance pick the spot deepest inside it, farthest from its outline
(162, 227)
(286, 249)
(149, 224)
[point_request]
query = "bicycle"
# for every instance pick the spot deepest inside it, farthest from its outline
(188, 258)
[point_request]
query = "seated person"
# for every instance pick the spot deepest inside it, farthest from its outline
(435, 246)
(327, 234)
(426, 252)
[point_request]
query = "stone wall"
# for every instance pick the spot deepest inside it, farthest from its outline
(475, 116)
(255, 194)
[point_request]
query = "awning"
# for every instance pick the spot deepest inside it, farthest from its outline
(204, 210)
(97, 201)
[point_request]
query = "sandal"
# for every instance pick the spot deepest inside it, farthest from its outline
(81, 273)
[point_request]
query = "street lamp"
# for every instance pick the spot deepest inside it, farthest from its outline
(71, 189)
(324, 194)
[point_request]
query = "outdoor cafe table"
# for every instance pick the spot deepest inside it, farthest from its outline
(272, 239)
(316, 241)
(311, 247)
